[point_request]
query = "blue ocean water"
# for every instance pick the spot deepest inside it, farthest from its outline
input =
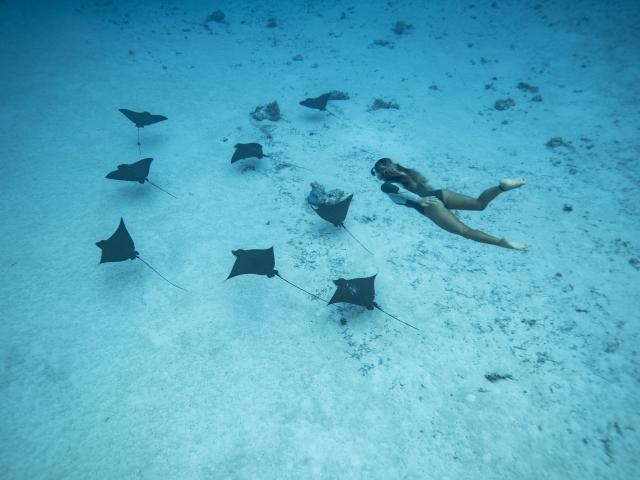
(524, 363)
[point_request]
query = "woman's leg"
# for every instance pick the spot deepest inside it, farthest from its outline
(435, 210)
(457, 201)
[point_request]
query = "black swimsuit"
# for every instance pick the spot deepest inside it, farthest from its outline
(424, 192)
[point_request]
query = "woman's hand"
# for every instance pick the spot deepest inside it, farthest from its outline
(430, 201)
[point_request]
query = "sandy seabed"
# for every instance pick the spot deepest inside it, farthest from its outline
(109, 372)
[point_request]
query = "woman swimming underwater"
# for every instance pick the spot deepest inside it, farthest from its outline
(437, 204)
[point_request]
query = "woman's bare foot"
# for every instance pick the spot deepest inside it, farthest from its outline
(511, 183)
(506, 243)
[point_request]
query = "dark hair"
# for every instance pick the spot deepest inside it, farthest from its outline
(411, 179)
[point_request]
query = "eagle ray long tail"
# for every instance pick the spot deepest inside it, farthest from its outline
(288, 163)
(395, 318)
(160, 188)
(302, 289)
(160, 275)
(347, 230)
(296, 165)
(139, 149)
